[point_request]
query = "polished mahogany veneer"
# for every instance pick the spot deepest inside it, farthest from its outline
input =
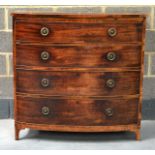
(78, 73)
(73, 111)
(78, 56)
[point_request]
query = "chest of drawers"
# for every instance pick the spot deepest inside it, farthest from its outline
(78, 73)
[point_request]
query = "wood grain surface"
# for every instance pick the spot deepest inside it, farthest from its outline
(78, 83)
(77, 112)
(77, 32)
(76, 56)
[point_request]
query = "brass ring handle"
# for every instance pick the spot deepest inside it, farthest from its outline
(44, 31)
(110, 83)
(45, 82)
(45, 55)
(109, 112)
(112, 32)
(111, 56)
(45, 111)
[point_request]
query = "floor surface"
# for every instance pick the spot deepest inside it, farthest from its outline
(43, 140)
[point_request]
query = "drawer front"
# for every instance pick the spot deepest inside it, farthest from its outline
(78, 83)
(78, 56)
(77, 32)
(77, 112)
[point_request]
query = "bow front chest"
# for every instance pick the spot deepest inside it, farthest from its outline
(78, 73)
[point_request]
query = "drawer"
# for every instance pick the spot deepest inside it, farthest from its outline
(77, 83)
(78, 56)
(68, 33)
(77, 112)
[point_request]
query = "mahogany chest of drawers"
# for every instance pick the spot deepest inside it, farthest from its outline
(78, 73)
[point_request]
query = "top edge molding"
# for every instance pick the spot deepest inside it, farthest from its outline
(99, 15)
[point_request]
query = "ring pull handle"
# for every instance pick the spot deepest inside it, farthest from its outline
(44, 31)
(111, 56)
(45, 82)
(45, 56)
(45, 111)
(112, 32)
(110, 83)
(109, 112)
